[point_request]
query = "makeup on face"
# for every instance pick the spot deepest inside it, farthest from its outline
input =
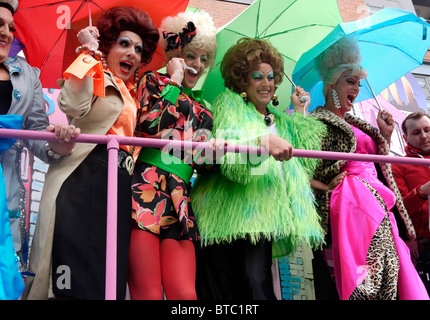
(347, 88)
(260, 76)
(127, 43)
(125, 55)
(353, 80)
(261, 86)
(6, 36)
(195, 61)
(10, 25)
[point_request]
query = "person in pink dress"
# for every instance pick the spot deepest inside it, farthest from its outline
(361, 206)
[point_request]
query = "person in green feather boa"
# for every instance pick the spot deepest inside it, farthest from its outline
(249, 207)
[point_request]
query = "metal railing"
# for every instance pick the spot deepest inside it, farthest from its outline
(113, 142)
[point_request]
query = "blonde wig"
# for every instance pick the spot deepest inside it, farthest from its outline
(343, 55)
(205, 38)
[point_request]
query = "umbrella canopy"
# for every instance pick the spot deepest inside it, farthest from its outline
(392, 42)
(368, 110)
(48, 29)
(292, 26)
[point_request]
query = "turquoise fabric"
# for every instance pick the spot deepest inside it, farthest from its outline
(11, 282)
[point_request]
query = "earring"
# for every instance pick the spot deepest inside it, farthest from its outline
(244, 96)
(136, 77)
(275, 100)
(336, 99)
(104, 63)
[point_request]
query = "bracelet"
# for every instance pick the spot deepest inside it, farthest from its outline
(174, 83)
(86, 49)
(51, 153)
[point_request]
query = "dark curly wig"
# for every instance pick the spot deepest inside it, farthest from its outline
(118, 19)
(243, 57)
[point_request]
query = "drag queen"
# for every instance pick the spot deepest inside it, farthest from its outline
(358, 206)
(249, 203)
(162, 254)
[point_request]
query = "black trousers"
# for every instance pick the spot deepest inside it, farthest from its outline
(325, 287)
(233, 271)
(80, 230)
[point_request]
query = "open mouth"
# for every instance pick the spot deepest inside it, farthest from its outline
(351, 98)
(263, 92)
(125, 66)
(191, 74)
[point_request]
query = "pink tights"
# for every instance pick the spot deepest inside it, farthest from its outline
(155, 265)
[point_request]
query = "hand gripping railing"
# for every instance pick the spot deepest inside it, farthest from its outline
(113, 142)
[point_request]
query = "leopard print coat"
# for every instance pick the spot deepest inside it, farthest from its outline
(341, 138)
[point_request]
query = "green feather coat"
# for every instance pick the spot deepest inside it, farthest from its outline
(256, 197)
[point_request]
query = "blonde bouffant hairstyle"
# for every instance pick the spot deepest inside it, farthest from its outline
(205, 38)
(343, 55)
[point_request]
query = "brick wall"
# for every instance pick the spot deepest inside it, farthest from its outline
(352, 9)
(222, 12)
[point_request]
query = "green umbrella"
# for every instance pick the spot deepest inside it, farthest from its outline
(292, 26)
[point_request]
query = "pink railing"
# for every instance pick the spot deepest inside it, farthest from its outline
(113, 142)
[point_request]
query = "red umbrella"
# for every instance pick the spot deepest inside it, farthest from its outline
(44, 27)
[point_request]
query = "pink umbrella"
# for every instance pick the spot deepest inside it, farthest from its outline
(370, 109)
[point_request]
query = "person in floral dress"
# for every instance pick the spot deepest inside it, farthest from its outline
(161, 256)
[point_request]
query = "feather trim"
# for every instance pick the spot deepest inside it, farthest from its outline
(240, 124)
(306, 133)
(255, 201)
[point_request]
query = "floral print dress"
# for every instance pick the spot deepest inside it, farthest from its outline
(161, 202)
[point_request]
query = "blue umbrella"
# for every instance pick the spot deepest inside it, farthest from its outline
(392, 42)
